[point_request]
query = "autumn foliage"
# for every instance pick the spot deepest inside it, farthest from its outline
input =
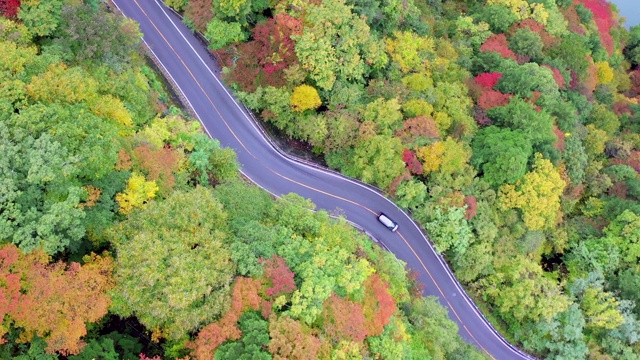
(343, 319)
(472, 207)
(378, 305)
(557, 76)
(418, 127)
(9, 8)
(305, 97)
(603, 17)
(488, 80)
(279, 276)
(199, 12)
(245, 297)
(413, 164)
(262, 62)
(53, 301)
(548, 40)
(493, 98)
(158, 165)
(498, 43)
(291, 339)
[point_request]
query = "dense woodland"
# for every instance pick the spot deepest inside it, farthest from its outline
(510, 129)
(127, 233)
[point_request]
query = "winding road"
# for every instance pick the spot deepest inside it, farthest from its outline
(188, 65)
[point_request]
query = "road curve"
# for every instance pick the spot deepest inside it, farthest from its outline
(189, 67)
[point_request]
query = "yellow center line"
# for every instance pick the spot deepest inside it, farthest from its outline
(324, 192)
(225, 122)
(194, 78)
(443, 295)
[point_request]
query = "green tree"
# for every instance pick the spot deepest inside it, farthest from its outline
(103, 350)
(211, 163)
(377, 161)
(572, 50)
(575, 158)
(455, 156)
(604, 119)
(40, 193)
(499, 17)
(385, 114)
(520, 115)
(632, 50)
(600, 307)
(522, 80)
(410, 50)
(336, 44)
(528, 43)
(252, 344)
(173, 265)
(221, 33)
(432, 334)
(559, 338)
(411, 194)
(450, 230)
(34, 351)
(42, 17)
(88, 33)
(521, 292)
(501, 155)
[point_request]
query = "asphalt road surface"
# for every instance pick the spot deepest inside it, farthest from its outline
(187, 63)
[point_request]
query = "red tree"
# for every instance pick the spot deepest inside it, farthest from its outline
(632, 160)
(343, 319)
(481, 117)
(498, 44)
(291, 339)
(559, 138)
(557, 76)
(244, 297)
(413, 164)
(603, 16)
(279, 276)
(9, 8)
(420, 126)
(261, 62)
(622, 107)
(158, 165)
(472, 207)
(378, 305)
(200, 12)
(54, 301)
(493, 98)
(573, 19)
(488, 80)
(634, 76)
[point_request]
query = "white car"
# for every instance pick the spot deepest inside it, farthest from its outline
(387, 222)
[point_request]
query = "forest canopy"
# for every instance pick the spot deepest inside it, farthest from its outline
(509, 128)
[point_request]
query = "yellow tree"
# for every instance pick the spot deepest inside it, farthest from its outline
(305, 97)
(524, 10)
(537, 195)
(601, 309)
(605, 72)
(431, 156)
(137, 193)
(409, 50)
